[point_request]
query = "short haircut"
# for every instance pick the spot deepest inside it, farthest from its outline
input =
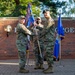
(44, 11)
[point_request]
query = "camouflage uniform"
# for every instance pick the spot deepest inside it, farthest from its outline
(21, 43)
(48, 35)
(39, 59)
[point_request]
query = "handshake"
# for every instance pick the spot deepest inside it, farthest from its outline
(34, 34)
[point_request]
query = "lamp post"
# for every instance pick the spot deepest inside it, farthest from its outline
(8, 29)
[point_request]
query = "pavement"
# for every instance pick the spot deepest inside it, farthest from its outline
(62, 67)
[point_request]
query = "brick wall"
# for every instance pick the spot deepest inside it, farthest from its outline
(8, 48)
(68, 44)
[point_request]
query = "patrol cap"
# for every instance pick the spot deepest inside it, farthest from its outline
(21, 17)
(44, 11)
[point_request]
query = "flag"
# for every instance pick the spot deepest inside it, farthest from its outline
(60, 28)
(29, 16)
(59, 37)
(29, 21)
(56, 48)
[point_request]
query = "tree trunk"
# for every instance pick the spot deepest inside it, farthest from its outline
(17, 2)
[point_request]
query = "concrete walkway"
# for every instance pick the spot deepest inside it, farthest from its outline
(63, 67)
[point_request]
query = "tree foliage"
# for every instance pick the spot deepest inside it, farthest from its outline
(69, 8)
(18, 7)
(52, 5)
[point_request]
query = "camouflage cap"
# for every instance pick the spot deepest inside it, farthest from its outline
(21, 17)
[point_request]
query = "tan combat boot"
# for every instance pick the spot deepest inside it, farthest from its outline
(41, 66)
(23, 71)
(36, 67)
(49, 70)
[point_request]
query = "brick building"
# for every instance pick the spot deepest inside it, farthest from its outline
(8, 48)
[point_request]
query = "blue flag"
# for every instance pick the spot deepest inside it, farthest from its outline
(29, 16)
(60, 28)
(56, 48)
(59, 37)
(29, 21)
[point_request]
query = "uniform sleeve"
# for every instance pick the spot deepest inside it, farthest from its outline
(40, 28)
(43, 33)
(26, 31)
(50, 23)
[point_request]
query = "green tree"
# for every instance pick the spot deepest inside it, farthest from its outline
(17, 7)
(69, 8)
(52, 5)
(6, 7)
(21, 6)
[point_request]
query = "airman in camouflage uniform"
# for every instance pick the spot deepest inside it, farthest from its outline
(38, 54)
(48, 34)
(21, 43)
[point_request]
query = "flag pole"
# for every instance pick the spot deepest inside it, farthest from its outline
(28, 37)
(60, 49)
(60, 35)
(29, 21)
(60, 58)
